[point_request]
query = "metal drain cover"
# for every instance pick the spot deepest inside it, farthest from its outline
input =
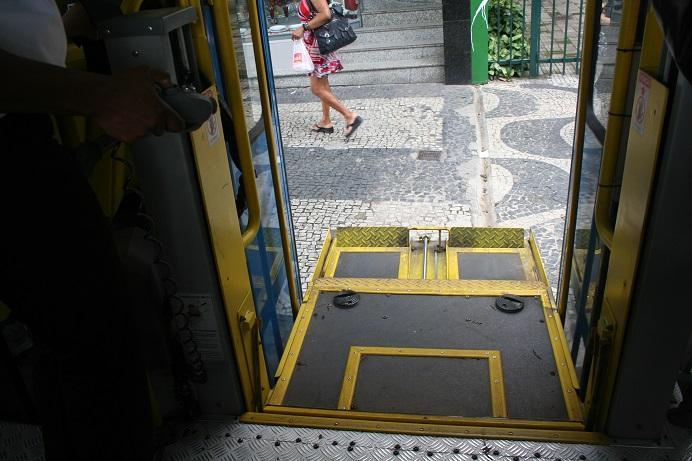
(429, 155)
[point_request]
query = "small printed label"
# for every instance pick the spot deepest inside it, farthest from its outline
(212, 126)
(200, 310)
(641, 102)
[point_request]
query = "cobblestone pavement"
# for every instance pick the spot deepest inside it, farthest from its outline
(530, 124)
(514, 156)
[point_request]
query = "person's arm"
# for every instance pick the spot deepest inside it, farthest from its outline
(125, 106)
(322, 16)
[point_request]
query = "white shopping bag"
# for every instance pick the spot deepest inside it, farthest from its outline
(301, 58)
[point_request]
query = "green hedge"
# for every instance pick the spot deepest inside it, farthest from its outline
(506, 25)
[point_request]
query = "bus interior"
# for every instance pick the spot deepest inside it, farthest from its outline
(436, 341)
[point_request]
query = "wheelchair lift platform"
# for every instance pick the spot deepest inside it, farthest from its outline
(450, 326)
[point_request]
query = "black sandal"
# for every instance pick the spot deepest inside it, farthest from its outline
(322, 129)
(354, 126)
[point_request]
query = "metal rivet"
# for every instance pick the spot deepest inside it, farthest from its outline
(352, 443)
(150, 29)
(277, 443)
(416, 448)
(335, 443)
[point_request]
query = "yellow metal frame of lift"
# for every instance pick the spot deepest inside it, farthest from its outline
(370, 243)
(566, 372)
(322, 258)
(530, 272)
(336, 252)
(356, 353)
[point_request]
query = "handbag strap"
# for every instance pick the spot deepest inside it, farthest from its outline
(312, 7)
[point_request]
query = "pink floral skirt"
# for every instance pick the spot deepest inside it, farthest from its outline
(324, 64)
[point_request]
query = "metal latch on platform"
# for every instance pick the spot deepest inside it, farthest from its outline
(509, 304)
(346, 300)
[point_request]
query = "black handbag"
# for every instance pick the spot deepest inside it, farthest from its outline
(335, 34)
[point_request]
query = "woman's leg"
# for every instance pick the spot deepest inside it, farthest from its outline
(326, 118)
(320, 88)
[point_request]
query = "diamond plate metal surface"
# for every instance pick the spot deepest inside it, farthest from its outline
(486, 237)
(413, 286)
(372, 237)
(20, 442)
(234, 441)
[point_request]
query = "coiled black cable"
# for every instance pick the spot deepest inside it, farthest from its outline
(188, 364)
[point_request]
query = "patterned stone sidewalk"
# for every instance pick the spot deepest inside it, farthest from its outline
(530, 126)
(433, 155)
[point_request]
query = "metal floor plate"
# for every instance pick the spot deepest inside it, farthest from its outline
(20, 442)
(232, 441)
(227, 441)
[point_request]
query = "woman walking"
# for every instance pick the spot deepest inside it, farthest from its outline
(330, 63)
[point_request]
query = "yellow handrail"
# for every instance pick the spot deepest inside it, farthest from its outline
(579, 130)
(199, 40)
(618, 101)
(234, 97)
(258, 48)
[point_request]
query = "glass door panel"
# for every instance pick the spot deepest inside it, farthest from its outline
(266, 253)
